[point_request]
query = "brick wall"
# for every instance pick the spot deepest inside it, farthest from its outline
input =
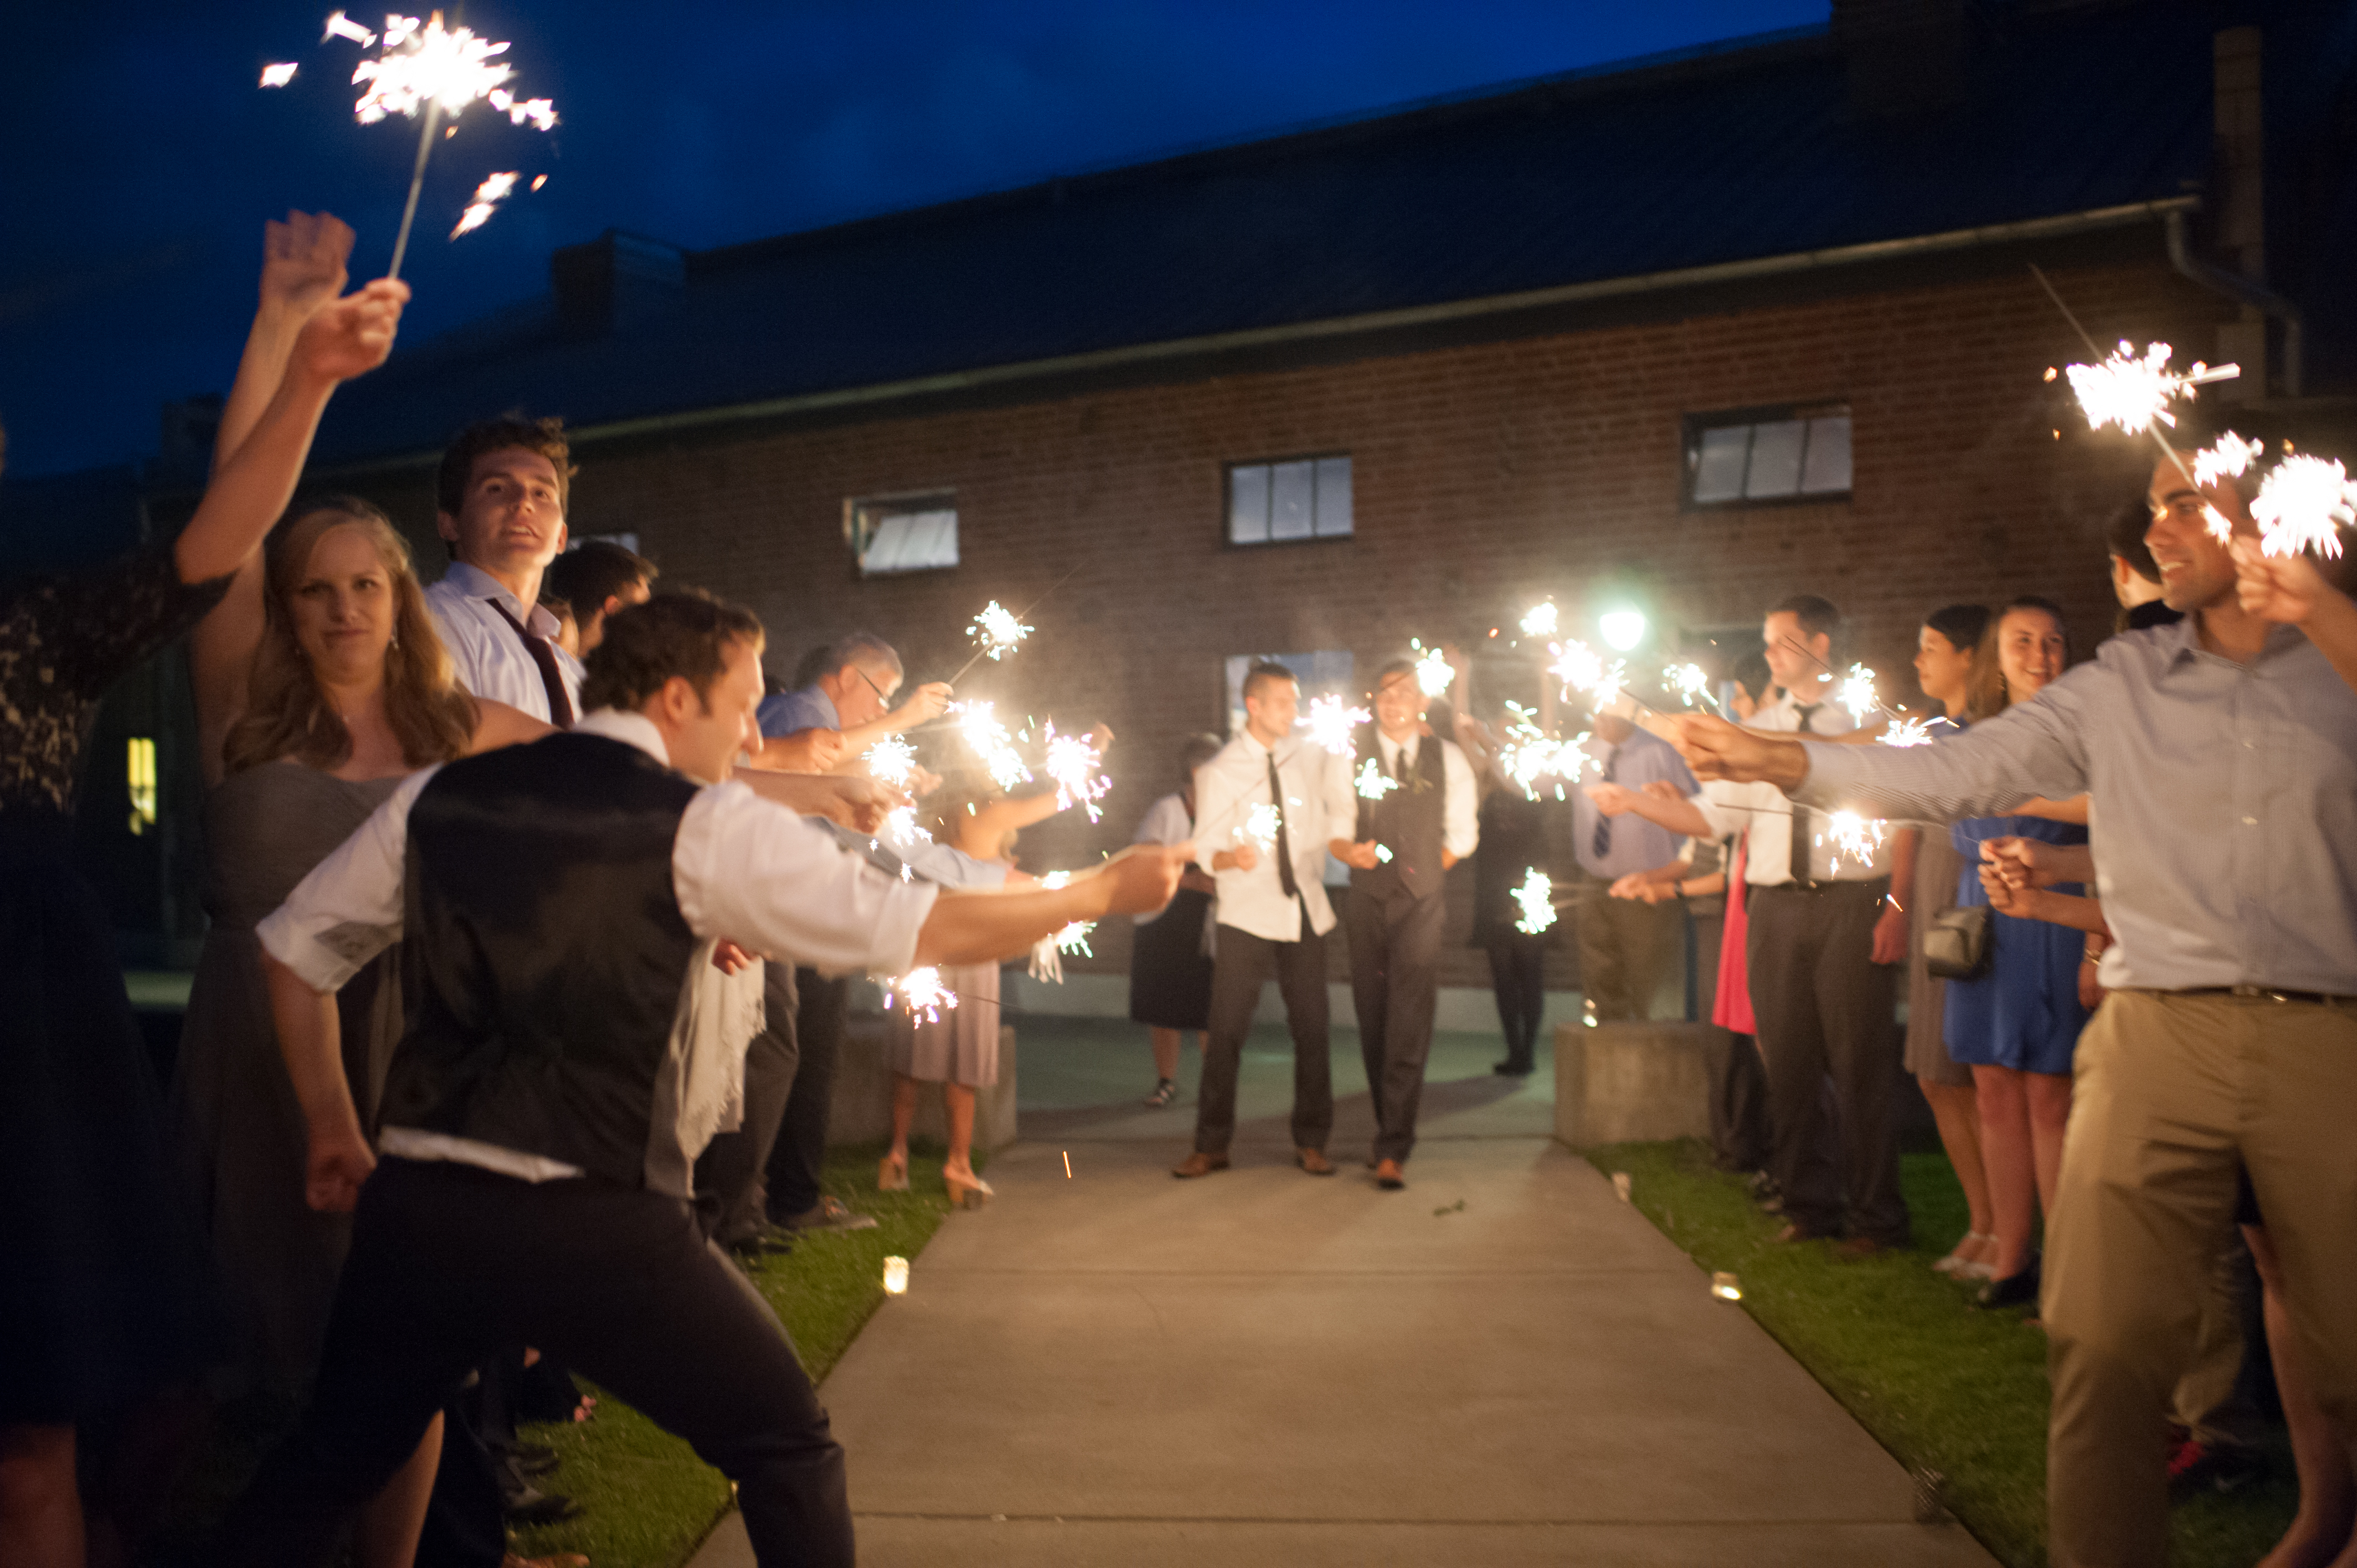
(1485, 477)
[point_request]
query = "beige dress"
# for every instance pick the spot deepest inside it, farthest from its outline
(963, 1046)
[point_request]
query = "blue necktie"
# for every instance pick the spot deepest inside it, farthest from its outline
(1603, 840)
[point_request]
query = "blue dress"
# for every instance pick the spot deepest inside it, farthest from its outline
(2024, 1013)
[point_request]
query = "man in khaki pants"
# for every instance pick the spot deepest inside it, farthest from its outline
(2221, 756)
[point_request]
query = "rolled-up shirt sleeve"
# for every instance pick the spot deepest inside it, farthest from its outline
(753, 872)
(2033, 750)
(349, 909)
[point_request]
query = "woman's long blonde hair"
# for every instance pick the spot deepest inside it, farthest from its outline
(288, 714)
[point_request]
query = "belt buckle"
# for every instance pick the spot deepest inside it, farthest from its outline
(2257, 993)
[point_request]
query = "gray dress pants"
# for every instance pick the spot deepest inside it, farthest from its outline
(1825, 1009)
(1243, 963)
(1395, 980)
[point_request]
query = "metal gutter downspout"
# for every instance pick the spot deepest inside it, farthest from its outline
(2241, 291)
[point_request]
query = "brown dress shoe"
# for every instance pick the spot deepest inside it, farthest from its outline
(1314, 1161)
(1198, 1164)
(1388, 1175)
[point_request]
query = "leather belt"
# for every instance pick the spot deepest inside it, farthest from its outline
(1828, 885)
(2268, 994)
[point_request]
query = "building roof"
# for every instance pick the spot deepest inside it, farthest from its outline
(1748, 150)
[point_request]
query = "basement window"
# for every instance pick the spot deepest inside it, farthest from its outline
(1295, 499)
(1761, 456)
(890, 534)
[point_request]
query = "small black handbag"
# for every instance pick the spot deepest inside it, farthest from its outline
(1956, 942)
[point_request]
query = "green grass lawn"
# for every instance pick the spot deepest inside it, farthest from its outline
(648, 1500)
(1940, 1383)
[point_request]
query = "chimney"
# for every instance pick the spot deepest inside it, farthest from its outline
(614, 280)
(2238, 209)
(1903, 57)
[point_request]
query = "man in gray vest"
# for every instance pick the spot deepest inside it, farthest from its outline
(1412, 798)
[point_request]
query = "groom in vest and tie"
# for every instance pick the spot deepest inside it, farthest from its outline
(1410, 799)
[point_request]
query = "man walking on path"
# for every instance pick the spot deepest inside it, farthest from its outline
(1272, 916)
(1410, 802)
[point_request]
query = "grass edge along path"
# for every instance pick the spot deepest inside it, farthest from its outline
(1940, 1384)
(647, 1501)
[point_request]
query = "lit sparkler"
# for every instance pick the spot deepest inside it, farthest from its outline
(440, 70)
(1432, 671)
(1853, 835)
(1260, 825)
(488, 197)
(921, 993)
(1383, 855)
(900, 827)
(1527, 755)
(1580, 668)
(1690, 682)
(997, 632)
(1541, 621)
(2303, 504)
(1909, 731)
(1373, 782)
(1855, 693)
(1535, 897)
(891, 760)
(1072, 762)
(2132, 393)
(1074, 938)
(1332, 722)
(2230, 458)
(979, 727)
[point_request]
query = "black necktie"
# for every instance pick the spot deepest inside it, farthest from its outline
(1603, 840)
(560, 705)
(1799, 870)
(1284, 844)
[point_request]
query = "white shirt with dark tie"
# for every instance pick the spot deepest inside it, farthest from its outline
(492, 659)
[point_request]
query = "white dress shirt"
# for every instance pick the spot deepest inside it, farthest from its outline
(1762, 808)
(1226, 790)
(742, 867)
(1460, 812)
(491, 660)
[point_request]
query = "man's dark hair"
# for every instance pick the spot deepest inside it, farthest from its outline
(1752, 674)
(685, 632)
(594, 571)
(2123, 537)
(546, 437)
(1402, 665)
(1962, 625)
(1263, 671)
(1817, 617)
(1197, 750)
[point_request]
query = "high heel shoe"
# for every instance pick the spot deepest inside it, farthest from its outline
(2017, 1289)
(892, 1173)
(966, 1191)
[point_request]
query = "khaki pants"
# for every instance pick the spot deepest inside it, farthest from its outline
(1626, 947)
(2172, 1091)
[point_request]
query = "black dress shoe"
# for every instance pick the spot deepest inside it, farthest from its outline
(533, 1505)
(2017, 1289)
(1511, 1068)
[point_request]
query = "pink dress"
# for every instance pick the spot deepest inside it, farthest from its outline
(1733, 1008)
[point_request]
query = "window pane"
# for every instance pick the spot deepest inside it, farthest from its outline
(1827, 471)
(1718, 472)
(1289, 500)
(1248, 504)
(886, 544)
(932, 541)
(1333, 497)
(1775, 459)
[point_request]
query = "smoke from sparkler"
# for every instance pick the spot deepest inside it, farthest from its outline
(997, 631)
(1535, 897)
(1072, 761)
(921, 993)
(2302, 504)
(1373, 782)
(1330, 721)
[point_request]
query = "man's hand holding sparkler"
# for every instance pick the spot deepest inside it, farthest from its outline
(804, 751)
(1714, 748)
(928, 702)
(1659, 803)
(1361, 856)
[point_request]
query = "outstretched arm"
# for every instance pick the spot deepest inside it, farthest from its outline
(1679, 816)
(927, 702)
(977, 926)
(2289, 588)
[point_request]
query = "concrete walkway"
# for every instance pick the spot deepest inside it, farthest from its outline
(1502, 1365)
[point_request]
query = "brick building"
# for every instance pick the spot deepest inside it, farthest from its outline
(1689, 334)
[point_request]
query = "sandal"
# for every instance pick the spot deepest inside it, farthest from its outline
(892, 1173)
(1164, 1091)
(1957, 1266)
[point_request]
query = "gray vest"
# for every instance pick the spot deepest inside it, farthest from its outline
(1406, 821)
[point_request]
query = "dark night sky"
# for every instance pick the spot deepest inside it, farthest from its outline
(143, 158)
